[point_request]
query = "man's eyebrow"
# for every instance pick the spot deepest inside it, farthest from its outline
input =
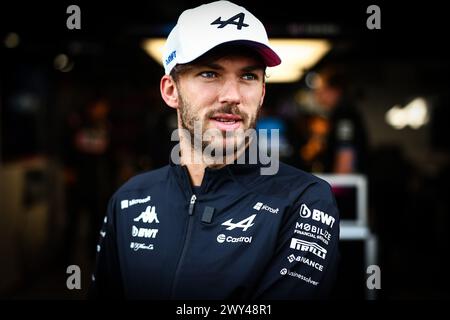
(210, 65)
(253, 68)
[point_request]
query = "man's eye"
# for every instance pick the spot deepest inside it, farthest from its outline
(250, 76)
(208, 74)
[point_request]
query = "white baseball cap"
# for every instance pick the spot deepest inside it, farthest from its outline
(200, 29)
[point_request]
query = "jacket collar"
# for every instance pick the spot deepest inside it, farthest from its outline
(214, 178)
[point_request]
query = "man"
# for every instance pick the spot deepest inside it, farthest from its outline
(218, 228)
(346, 141)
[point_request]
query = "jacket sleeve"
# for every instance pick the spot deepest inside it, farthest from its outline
(106, 280)
(305, 260)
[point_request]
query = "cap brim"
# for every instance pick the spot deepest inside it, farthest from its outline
(269, 56)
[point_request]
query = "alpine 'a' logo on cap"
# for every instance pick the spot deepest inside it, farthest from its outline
(238, 20)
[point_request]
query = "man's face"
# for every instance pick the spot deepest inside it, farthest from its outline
(326, 96)
(225, 95)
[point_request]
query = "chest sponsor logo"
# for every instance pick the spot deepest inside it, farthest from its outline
(291, 258)
(128, 203)
(307, 246)
(316, 215)
(148, 216)
(312, 231)
(221, 238)
(135, 246)
(261, 206)
(243, 224)
(285, 271)
(143, 232)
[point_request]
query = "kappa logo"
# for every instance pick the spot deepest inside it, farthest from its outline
(244, 224)
(316, 215)
(237, 20)
(148, 216)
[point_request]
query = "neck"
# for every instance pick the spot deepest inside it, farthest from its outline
(196, 173)
(193, 160)
(196, 161)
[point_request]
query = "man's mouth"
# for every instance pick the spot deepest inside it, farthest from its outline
(226, 121)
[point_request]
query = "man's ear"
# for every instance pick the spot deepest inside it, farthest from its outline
(263, 94)
(169, 91)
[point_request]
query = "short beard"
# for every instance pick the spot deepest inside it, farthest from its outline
(194, 126)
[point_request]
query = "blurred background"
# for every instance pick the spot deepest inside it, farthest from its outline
(366, 108)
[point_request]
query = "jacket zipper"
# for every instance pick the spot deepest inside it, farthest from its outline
(192, 204)
(186, 243)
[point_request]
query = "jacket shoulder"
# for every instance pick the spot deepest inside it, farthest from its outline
(145, 180)
(290, 180)
(297, 176)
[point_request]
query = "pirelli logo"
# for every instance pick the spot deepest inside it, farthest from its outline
(306, 246)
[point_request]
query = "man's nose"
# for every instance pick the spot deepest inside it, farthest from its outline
(230, 92)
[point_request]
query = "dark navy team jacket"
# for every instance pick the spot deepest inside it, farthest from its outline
(241, 235)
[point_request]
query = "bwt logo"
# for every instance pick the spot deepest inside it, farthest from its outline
(171, 56)
(143, 232)
(316, 215)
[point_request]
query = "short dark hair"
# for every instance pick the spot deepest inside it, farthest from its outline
(228, 49)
